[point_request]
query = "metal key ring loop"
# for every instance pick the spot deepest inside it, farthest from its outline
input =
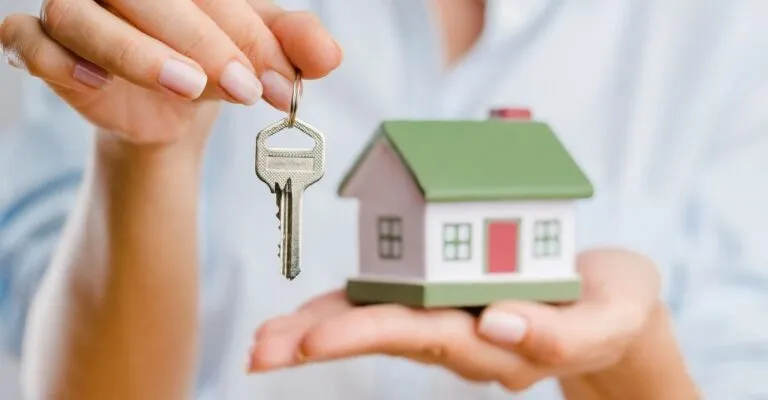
(297, 89)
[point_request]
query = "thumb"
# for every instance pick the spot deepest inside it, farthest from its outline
(581, 334)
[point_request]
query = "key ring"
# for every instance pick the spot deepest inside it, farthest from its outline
(297, 89)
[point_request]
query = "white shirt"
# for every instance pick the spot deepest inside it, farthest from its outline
(663, 103)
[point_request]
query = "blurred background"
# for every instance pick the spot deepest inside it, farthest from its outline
(11, 82)
(14, 94)
(22, 101)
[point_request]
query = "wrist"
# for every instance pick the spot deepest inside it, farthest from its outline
(114, 152)
(145, 178)
(652, 367)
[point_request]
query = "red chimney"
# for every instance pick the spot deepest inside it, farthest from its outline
(512, 114)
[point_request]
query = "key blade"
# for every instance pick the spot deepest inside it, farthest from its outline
(279, 214)
(283, 214)
(291, 223)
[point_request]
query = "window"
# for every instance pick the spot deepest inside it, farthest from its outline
(457, 242)
(546, 239)
(390, 238)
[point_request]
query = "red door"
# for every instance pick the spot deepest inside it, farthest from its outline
(502, 246)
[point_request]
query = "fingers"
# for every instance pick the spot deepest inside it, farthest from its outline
(545, 335)
(278, 341)
(443, 337)
(619, 296)
(28, 47)
(217, 47)
(328, 328)
(100, 37)
(202, 38)
(241, 22)
(516, 343)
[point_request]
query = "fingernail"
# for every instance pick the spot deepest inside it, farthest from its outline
(12, 57)
(277, 88)
(90, 74)
(240, 83)
(339, 49)
(503, 327)
(182, 78)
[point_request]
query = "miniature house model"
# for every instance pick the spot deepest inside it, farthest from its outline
(465, 213)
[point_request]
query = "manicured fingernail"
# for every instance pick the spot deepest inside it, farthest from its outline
(503, 328)
(277, 88)
(183, 78)
(90, 74)
(241, 83)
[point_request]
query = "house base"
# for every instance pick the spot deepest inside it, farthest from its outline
(461, 294)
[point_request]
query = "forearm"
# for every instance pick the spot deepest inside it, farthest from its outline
(116, 315)
(653, 368)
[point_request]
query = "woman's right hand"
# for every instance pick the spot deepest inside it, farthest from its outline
(152, 71)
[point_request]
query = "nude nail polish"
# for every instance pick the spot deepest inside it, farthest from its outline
(277, 88)
(182, 78)
(503, 328)
(90, 74)
(240, 83)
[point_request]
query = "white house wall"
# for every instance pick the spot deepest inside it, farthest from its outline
(477, 214)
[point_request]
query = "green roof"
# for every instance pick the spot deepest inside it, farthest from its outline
(483, 160)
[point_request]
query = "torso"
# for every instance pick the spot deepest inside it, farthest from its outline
(609, 76)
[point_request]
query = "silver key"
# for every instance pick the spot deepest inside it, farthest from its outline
(288, 172)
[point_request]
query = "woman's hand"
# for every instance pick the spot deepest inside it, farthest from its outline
(135, 67)
(514, 343)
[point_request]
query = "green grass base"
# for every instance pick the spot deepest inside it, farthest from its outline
(461, 294)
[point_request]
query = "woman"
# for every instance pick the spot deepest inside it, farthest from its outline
(166, 189)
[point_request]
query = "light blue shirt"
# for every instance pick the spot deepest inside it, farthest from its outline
(662, 102)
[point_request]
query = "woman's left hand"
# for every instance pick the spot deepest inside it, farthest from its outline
(514, 343)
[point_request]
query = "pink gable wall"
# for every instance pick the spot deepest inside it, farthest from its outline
(384, 187)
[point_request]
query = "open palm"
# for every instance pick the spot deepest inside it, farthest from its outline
(515, 343)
